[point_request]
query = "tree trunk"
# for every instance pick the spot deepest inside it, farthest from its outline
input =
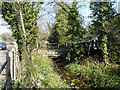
(104, 48)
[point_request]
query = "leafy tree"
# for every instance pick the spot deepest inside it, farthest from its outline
(53, 34)
(68, 28)
(74, 23)
(101, 11)
(61, 25)
(29, 16)
(113, 30)
(10, 17)
(22, 18)
(76, 33)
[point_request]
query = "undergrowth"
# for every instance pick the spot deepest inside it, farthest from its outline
(2, 81)
(45, 74)
(97, 75)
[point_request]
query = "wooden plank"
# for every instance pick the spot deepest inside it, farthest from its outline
(3, 66)
(8, 76)
(11, 63)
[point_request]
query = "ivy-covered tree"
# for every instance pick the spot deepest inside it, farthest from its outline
(113, 30)
(74, 23)
(22, 18)
(29, 16)
(101, 12)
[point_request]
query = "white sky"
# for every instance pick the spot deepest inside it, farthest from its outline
(3, 29)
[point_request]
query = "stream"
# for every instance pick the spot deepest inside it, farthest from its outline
(70, 78)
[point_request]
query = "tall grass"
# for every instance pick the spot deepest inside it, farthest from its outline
(45, 74)
(97, 75)
(2, 81)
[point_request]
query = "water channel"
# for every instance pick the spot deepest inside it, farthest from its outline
(70, 78)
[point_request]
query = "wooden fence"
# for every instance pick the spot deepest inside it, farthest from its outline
(89, 46)
(13, 54)
(7, 65)
(10, 65)
(58, 47)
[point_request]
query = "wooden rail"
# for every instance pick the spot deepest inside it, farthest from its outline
(7, 65)
(65, 48)
(58, 47)
(10, 65)
(3, 66)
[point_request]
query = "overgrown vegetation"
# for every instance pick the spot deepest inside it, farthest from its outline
(97, 75)
(44, 73)
(2, 81)
(22, 18)
(100, 40)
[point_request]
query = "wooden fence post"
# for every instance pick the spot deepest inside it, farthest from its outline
(15, 59)
(11, 61)
(11, 64)
(8, 76)
(13, 55)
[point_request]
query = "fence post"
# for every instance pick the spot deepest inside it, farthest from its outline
(8, 76)
(15, 63)
(11, 63)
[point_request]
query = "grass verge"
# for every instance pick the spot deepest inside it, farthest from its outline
(2, 81)
(45, 74)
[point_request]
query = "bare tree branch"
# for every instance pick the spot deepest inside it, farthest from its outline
(37, 20)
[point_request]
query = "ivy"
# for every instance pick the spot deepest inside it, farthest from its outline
(101, 12)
